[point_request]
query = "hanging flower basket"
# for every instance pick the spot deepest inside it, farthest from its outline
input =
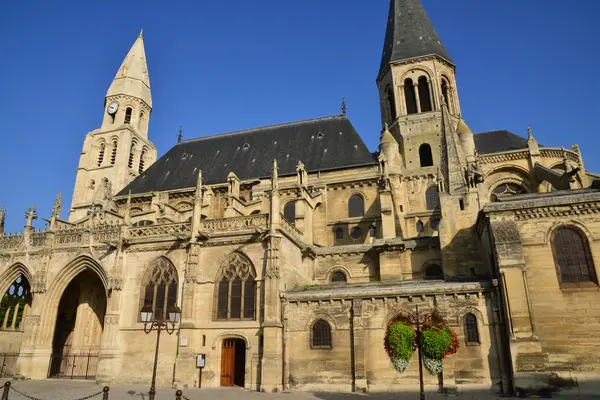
(438, 340)
(399, 340)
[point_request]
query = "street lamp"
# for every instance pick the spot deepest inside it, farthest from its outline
(146, 315)
(416, 318)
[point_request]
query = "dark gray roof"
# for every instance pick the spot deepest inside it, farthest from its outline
(321, 144)
(497, 141)
(410, 34)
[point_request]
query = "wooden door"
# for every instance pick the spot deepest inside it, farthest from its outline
(227, 362)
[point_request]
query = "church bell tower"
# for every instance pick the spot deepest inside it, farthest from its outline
(117, 152)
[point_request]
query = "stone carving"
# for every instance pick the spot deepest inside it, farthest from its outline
(474, 174)
(273, 257)
(39, 283)
(31, 215)
(234, 224)
(291, 230)
(57, 206)
(31, 320)
(238, 265)
(178, 229)
(111, 319)
(192, 264)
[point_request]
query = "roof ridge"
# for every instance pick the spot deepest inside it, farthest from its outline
(260, 128)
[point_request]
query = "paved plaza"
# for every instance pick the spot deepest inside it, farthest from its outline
(73, 389)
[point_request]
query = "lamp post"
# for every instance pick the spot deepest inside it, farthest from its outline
(173, 317)
(416, 318)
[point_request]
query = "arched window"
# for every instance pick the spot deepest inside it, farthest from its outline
(160, 287)
(409, 95)
(471, 329)
(572, 257)
(236, 290)
(289, 212)
(432, 199)
(128, 112)
(321, 335)
(338, 276)
(130, 162)
(389, 94)
(420, 227)
(356, 206)
(101, 153)
(113, 152)
(433, 271)
(14, 301)
(142, 161)
(446, 91)
(508, 188)
(143, 222)
(425, 155)
(424, 95)
(356, 233)
(339, 234)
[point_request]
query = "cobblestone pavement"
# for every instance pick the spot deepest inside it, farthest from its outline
(72, 390)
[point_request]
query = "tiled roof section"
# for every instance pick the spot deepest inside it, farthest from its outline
(498, 141)
(321, 144)
(410, 34)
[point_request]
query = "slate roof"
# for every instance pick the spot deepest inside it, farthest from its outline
(321, 144)
(497, 141)
(410, 34)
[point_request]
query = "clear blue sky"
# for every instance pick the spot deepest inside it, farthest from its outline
(217, 66)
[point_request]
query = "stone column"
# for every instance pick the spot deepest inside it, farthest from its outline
(431, 95)
(417, 98)
(401, 100)
(358, 347)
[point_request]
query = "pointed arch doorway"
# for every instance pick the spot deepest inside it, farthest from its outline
(79, 326)
(233, 362)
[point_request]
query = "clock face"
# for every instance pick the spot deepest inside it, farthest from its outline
(112, 107)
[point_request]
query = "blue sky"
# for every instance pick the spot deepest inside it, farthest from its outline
(218, 66)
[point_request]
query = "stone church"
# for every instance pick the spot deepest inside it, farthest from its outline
(290, 247)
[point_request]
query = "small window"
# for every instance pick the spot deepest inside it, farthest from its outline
(128, 112)
(434, 224)
(339, 234)
(356, 233)
(461, 204)
(420, 227)
(144, 222)
(508, 188)
(101, 154)
(572, 257)
(432, 199)
(389, 93)
(130, 162)
(321, 335)
(356, 206)
(433, 271)
(289, 212)
(425, 156)
(471, 329)
(338, 277)
(142, 160)
(373, 232)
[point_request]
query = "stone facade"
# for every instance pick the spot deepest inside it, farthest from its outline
(253, 264)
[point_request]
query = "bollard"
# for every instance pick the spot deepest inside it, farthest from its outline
(178, 395)
(5, 391)
(105, 394)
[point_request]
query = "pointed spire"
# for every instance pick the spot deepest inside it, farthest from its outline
(386, 136)
(532, 143)
(132, 77)
(57, 206)
(410, 34)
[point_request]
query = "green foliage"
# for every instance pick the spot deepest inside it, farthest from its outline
(438, 340)
(399, 340)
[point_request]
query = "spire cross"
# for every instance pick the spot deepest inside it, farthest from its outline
(344, 107)
(180, 134)
(141, 33)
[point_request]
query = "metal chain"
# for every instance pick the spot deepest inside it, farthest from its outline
(184, 397)
(37, 398)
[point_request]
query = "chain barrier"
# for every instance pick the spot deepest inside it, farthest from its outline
(180, 396)
(7, 385)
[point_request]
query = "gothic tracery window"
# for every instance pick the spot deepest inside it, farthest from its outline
(13, 303)
(159, 287)
(321, 335)
(572, 257)
(236, 290)
(508, 188)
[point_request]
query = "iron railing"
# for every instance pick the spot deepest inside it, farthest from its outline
(73, 366)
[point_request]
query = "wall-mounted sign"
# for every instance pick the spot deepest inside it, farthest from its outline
(200, 360)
